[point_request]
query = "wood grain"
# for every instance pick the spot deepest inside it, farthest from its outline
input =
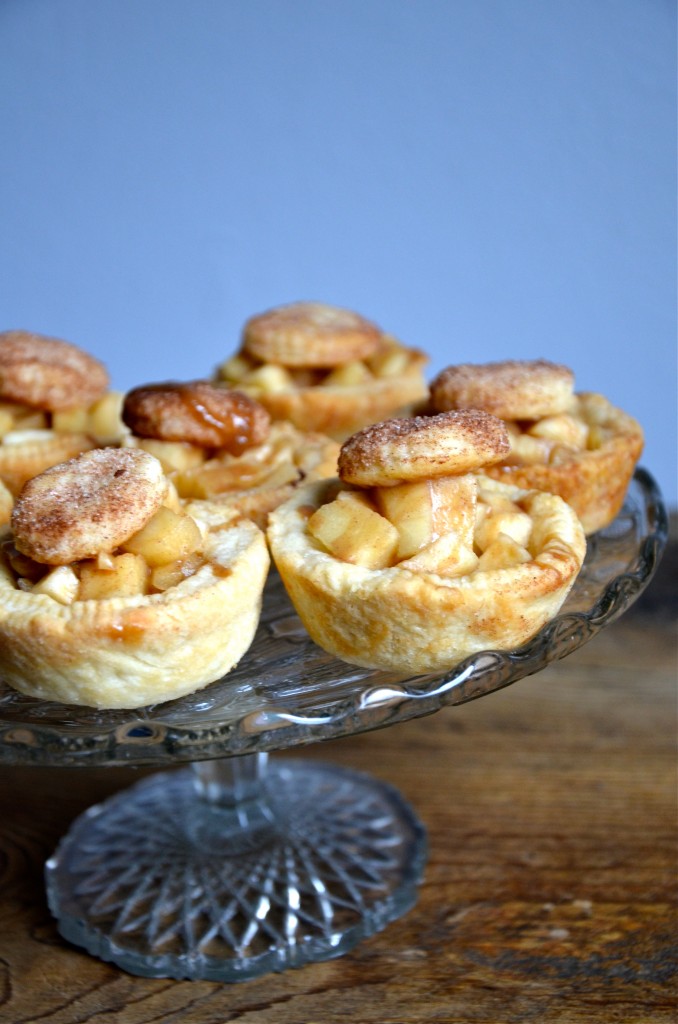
(550, 891)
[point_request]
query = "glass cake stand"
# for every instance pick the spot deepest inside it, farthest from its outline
(232, 867)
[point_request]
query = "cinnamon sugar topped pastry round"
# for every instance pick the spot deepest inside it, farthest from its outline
(325, 369)
(423, 446)
(577, 445)
(512, 390)
(88, 505)
(54, 404)
(196, 412)
(48, 373)
(310, 334)
(415, 575)
(115, 594)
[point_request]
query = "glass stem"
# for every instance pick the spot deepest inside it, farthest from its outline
(232, 793)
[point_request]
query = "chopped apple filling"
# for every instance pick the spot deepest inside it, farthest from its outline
(424, 510)
(502, 553)
(101, 420)
(167, 537)
(351, 529)
(390, 360)
(204, 473)
(553, 439)
(450, 526)
(167, 550)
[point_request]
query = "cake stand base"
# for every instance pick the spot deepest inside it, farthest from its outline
(231, 869)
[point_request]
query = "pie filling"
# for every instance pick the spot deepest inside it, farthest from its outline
(204, 473)
(165, 551)
(451, 526)
(553, 440)
(101, 420)
(254, 377)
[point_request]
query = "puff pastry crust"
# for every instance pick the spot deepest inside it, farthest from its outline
(593, 479)
(128, 652)
(577, 445)
(418, 622)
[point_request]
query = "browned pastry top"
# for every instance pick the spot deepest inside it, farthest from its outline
(87, 505)
(48, 373)
(197, 412)
(513, 390)
(422, 446)
(310, 334)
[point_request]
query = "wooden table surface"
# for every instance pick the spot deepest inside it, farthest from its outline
(550, 890)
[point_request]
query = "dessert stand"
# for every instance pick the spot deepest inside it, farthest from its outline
(232, 867)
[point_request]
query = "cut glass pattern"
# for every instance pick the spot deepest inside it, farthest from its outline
(164, 882)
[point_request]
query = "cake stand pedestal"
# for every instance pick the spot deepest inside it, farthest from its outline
(228, 870)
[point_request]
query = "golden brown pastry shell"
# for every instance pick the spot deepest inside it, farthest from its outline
(409, 622)
(593, 481)
(128, 652)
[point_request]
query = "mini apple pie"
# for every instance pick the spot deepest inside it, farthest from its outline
(579, 446)
(219, 445)
(114, 594)
(415, 559)
(54, 404)
(325, 369)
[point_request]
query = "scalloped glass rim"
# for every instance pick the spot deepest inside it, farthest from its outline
(287, 692)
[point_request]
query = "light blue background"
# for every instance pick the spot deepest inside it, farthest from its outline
(485, 178)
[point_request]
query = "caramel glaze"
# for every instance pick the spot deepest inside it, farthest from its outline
(305, 511)
(197, 412)
(126, 629)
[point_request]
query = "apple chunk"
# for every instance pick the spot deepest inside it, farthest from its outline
(425, 510)
(517, 525)
(445, 556)
(126, 576)
(166, 537)
(503, 553)
(563, 429)
(454, 503)
(348, 375)
(351, 530)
